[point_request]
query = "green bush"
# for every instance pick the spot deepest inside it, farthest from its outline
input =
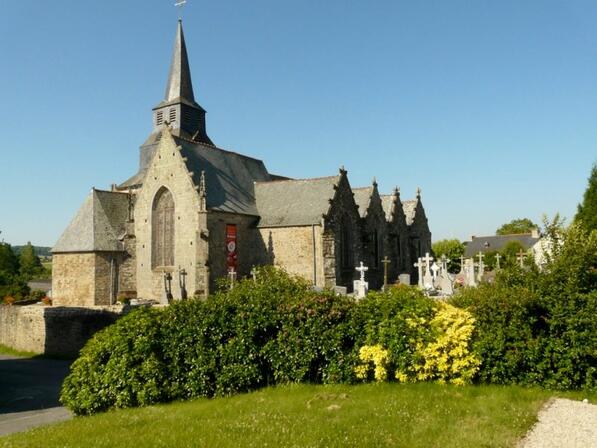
(540, 327)
(121, 366)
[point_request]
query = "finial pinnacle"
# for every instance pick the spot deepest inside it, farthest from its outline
(418, 192)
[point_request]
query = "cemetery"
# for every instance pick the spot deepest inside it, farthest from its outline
(205, 301)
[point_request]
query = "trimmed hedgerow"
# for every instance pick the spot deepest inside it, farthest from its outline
(540, 327)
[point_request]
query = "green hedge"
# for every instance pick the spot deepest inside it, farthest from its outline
(540, 327)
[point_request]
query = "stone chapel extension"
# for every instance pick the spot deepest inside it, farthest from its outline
(194, 211)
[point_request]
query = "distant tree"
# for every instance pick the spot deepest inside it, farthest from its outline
(453, 249)
(9, 262)
(587, 211)
(523, 225)
(30, 263)
(510, 252)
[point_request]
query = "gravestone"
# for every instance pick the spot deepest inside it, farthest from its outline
(419, 265)
(361, 287)
(428, 278)
(404, 279)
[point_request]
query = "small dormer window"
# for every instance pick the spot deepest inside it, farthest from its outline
(159, 118)
(172, 115)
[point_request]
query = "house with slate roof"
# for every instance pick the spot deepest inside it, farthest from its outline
(194, 212)
(495, 243)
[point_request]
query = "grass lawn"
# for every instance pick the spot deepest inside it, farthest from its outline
(415, 415)
(5, 350)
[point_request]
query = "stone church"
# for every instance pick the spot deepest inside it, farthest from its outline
(194, 212)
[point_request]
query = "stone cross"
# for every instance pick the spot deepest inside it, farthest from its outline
(520, 258)
(481, 265)
(168, 286)
(435, 268)
(444, 263)
(254, 274)
(497, 261)
(386, 261)
(428, 278)
(182, 279)
(232, 277)
(362, 269)
(419, 264)
(462, 263)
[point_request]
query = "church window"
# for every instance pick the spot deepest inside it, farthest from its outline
(172, 115)
(162, 229)
(159, 118)
(398, 252)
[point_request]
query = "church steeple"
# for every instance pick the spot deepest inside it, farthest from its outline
(179, 110)
(180, 85)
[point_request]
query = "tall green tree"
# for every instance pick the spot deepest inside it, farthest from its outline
(9, 262)
(522, 225)
(453, 249)
(587, 210)
(30, 262)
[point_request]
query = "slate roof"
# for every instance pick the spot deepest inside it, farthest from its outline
(410, 210)
(229, 176)
(497, 242)
(362, 196)
(98, 224)
(294, 202)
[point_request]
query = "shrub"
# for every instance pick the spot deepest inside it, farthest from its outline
(540, 328)
(415, 338)
(121, 366)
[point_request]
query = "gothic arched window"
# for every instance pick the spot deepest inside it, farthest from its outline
(162, 229)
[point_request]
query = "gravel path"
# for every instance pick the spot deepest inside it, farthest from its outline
(564, 424)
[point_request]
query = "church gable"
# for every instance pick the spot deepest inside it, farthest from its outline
(374, 231)
(398, 242)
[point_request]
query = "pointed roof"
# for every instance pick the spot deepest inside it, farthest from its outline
(180, 86)
(98, 224)
(362, 196)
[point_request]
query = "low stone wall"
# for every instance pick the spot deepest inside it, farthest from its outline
(56, 331)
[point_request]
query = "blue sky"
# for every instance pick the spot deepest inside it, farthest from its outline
(490, 107)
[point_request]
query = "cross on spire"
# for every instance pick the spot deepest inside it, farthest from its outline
(180, 4)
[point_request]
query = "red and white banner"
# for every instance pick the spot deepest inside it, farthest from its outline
(231, 252)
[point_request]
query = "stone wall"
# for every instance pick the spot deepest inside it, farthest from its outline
(343, 213)
(168, 170)
(249, 245)
(298, 250)
(73, 279)
(56, 331)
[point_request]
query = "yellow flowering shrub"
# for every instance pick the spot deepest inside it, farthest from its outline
(372, 357)
(421, 344)
(448, 358)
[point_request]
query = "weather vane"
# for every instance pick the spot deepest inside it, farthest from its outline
(180, 4)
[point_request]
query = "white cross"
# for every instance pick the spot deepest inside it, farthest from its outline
(232, 277)
(428, 259)
(362, 269)
(254, 274)
(497, 261)
(435, 268)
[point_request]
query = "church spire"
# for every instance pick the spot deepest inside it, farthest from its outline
(180, 86)
(179, 110)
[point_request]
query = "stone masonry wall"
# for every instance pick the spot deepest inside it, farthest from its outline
(52, 330)
(298, 250)
(73, 279)
(250, 247)
(167, 169)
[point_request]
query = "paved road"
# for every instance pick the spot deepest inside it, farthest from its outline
(29, 391)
